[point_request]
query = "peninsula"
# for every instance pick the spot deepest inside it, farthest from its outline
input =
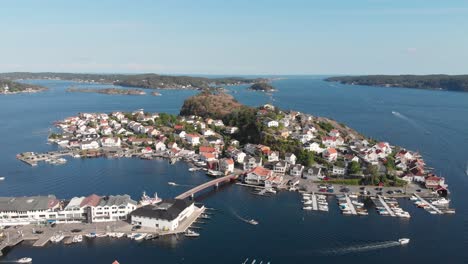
(263, 86)
(110, 91)
(430, 82)
(11, 87)
(147, 81)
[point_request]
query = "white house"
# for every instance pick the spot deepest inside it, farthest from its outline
(271, 123)
(92, 144)
(111, 142)
(164, 216)
(226, 165)
(251, 162)
(193, 139)
(296, 170)
(338, 171)
(330, 154)
(280, 167)
(113, 208)
(159, 146)
(314, 147)
(273, 156)
(290, 158)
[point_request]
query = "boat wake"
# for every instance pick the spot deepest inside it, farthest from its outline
(410, 121)
(251, 221)
(361, 248)
(182, 185)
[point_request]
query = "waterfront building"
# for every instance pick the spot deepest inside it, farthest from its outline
(111, 142)
(258, 175)
(280, 167)
(28, 210)
(89, 144)
(112, 208)
(251, 162)
(313, 173)
(226, 165)
(165, 216)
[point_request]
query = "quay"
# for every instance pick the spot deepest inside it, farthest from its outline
(429, 204)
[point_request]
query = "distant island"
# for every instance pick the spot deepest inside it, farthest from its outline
(147, 81)
(262, 86)
(111, 91)
(11, 87)
(430, 82)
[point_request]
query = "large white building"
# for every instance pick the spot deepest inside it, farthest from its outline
(28, 210)
(166, 215)
(48, 209)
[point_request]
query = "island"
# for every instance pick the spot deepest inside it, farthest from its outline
(147, 81)
(110, 91)
(430, 82)
(262, 86)
(11, 87)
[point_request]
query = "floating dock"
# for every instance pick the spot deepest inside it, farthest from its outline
(314, 202)
(350, 205)
(429, 204)
(385, 205)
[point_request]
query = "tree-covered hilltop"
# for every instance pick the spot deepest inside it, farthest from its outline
(443, 82)
(7, 86)
(210, 104)
(150, 81)
(110, 91)
(262, 86)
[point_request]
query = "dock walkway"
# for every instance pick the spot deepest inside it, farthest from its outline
(314, 202)
(350, 205)
(390, 211)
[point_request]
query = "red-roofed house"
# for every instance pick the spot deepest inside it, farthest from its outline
(226, 165)
(208, 157)
(258, 175)
(330, 154)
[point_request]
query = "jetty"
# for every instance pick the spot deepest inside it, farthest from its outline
(350, 205)
(385, 205)
(314, 202)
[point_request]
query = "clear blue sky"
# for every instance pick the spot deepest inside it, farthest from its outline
(235, 37)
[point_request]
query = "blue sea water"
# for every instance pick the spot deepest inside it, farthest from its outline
(434, 123)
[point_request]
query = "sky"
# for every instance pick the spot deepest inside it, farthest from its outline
(235, 37)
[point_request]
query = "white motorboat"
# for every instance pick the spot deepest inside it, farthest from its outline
(139, 236)
(441, 201)
(24, 260)
(101, 235)
(270, 190)
(307, 208)
(252, 222)
(90, 235)
(403, 214)
(2, 178)
(119, 235)
(172, 183)
(57, 238)
(357, 203)
(77, 239)
(403, 241)
(307, 202)
(190, 233)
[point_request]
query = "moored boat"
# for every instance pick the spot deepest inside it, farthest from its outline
(190, 233)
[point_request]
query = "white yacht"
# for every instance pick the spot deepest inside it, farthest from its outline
(24, 260)
(441, 201)
(307, 208)
(403, 241)
(57, 238)
(139, 236)
(307, 202)
(190, 233)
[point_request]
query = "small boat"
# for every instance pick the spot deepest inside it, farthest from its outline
(403, 241)
(91, 235)
(24, 260)
(190, 233)
(139, 236)
(101, 235)
(77, 239)
(252, 222)
(441, 201)
(214, 173)
(307, 208)
(2, 178)
(146, 200)
(204, 216)
(307, 202)
(57, 238)
(151, 236)
(119, 235)
(270, 190)
(172, 183)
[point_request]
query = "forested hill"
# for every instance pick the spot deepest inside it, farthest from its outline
(14, 87)
(442, 82)
(150, 80)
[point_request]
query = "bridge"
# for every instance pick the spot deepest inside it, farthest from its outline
(215, 182)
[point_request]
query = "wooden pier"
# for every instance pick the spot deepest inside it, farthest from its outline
(314, 202)
(429, 204)
(350, 205)
(382, 201)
